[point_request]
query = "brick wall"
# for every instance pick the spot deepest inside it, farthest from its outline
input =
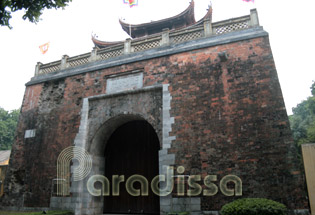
(229, 116)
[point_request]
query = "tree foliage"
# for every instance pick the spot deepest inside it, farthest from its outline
(8, 123)
(33, 9)
(303, 120)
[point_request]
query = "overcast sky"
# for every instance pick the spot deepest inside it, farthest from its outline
(289, 24)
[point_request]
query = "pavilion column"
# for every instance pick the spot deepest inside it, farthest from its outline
(37, 68)
(93, 54)
(165, 37)
(207, 25)
(127, 46)
(254, 18)
(64, 62)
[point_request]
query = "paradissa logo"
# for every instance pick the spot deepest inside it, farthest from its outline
(195, 189)
(161, 185)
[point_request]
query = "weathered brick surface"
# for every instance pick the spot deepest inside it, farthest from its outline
(230, 118)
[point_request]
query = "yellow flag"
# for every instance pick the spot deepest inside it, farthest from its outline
(44, 48)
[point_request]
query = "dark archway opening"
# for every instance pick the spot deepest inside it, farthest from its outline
(132, 149)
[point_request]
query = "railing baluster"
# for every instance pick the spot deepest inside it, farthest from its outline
(164, 38)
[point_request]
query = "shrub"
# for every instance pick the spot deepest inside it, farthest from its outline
(178, 213)
(254, 206)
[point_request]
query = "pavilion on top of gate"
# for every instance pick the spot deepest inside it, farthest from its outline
(185, 19)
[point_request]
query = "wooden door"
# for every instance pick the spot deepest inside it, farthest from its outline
(132, 149)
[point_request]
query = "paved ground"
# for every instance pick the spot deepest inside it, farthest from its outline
(34, 213)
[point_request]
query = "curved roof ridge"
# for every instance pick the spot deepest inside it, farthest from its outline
(185, 19)
(207, 16)
(187, 16)
(104, 44)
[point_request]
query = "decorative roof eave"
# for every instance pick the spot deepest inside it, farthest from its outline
(208, 16)
(104, 44)
(187, 17)
(188, 12)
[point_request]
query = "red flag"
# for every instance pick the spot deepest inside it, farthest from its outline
(44, 48)
(131, 2)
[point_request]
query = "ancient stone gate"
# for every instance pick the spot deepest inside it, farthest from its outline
(207, 94)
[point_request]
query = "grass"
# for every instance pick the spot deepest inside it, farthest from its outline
(35, 213)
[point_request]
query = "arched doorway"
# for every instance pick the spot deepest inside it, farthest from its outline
(132, 149)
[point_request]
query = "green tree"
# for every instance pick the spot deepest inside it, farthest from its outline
(33, 9)
(8, 123)
(303, 120)
(313, 88)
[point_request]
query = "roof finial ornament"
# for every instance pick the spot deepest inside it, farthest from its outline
(94, 35)
(209, 6)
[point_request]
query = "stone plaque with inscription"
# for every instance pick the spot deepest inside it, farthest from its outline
(123, 83)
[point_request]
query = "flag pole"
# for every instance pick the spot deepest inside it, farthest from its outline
(131, 4)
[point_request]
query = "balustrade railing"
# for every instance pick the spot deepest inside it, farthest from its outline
(153, 41)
